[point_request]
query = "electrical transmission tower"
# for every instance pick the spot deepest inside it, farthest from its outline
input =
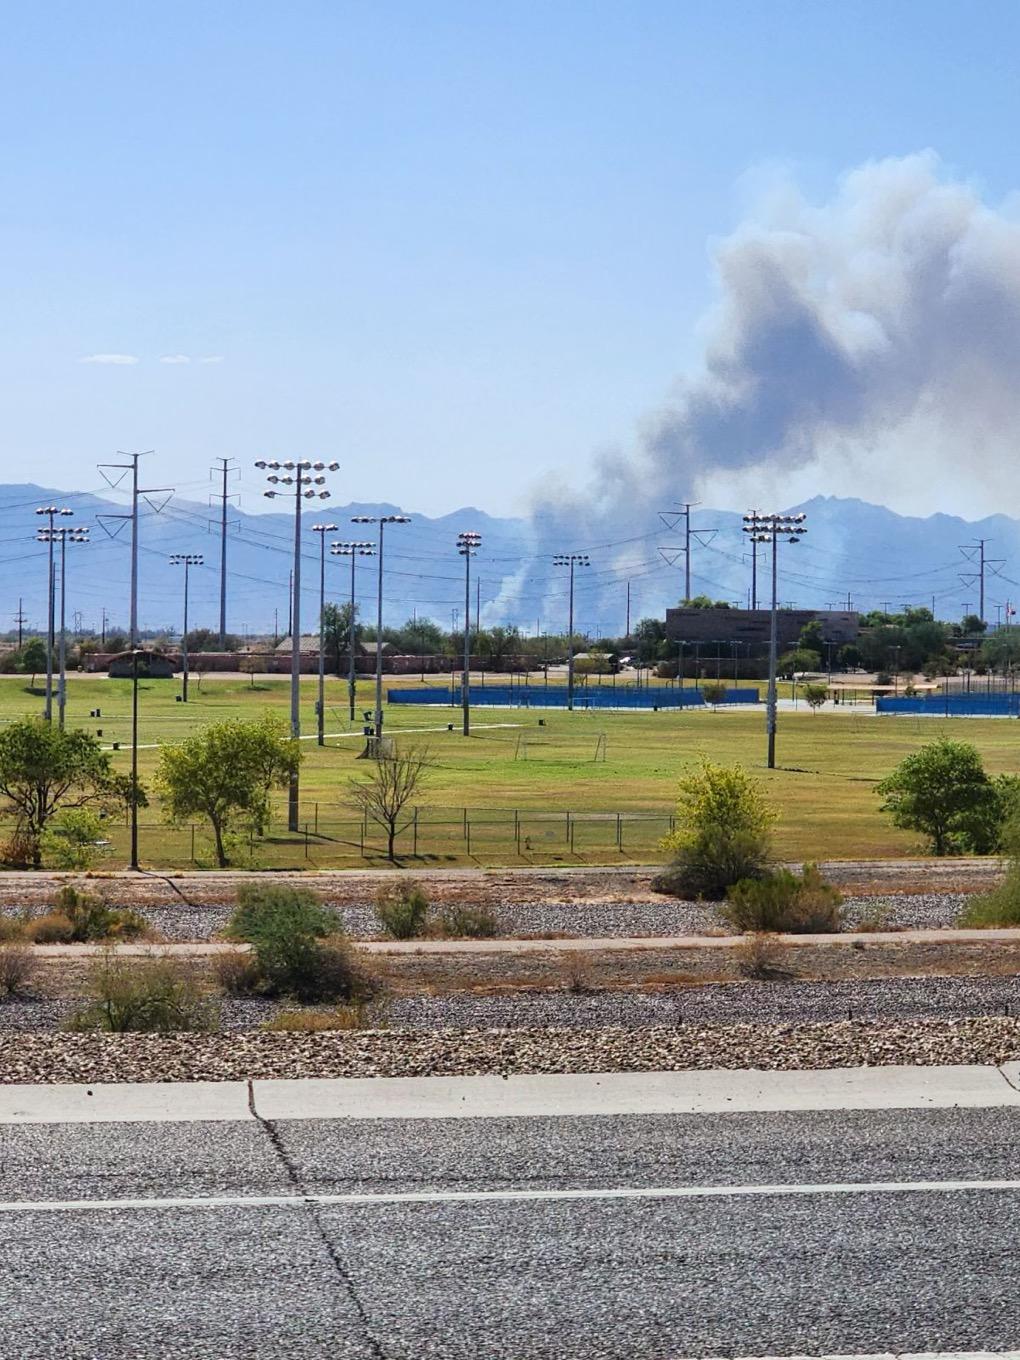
(224, 472)
(975, 552)
(671, 519)
(136, 491)
(19, 622)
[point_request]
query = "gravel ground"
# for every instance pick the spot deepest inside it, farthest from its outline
(758, 1003)
(655, 917)
(391, 1053)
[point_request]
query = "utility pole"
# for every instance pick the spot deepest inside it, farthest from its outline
(320, 704)
(975, 552)
(467, 545)
(671, 519)
(297, 474)
(353, 551)
(102, 634)
(51, 512)
(382, 521)
(223, 472)
(19, 622)
(63, 534)
(768, 528)
(571, 560)
(627, 633)
(187, 561)
(136, 491)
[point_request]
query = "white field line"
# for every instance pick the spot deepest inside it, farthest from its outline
(337, 736)
(671, 1192)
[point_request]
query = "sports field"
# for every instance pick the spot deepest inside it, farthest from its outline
(503, 796)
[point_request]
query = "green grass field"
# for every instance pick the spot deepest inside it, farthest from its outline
(503, 795)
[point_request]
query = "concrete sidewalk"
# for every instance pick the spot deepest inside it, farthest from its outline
(571, 945)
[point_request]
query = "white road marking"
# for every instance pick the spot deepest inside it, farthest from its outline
(667, 1192)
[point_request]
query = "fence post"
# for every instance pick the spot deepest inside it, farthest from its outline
(316, 819)
(307, 856)
(192, 842)
(415, 849)
(571, 834)
(619, 831)
(467, 833)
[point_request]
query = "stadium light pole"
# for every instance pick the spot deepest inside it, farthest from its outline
(353, 551)
(51, 512)
(297, 474)
(770, 528)
(571, 560)
(467, 545)
(136, 652)
(62, 534)
(320, 707)
(187, 561)
(382, 521)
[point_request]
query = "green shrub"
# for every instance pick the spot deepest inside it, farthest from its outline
(298, 945)
(459, 922)
(402, 909)
(721, 836)
(74, 839)
(943, 791)
(12, 929)
(801, 904)
(156, 996)
(999, 907)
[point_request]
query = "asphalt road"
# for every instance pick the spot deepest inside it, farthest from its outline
(806, 1273)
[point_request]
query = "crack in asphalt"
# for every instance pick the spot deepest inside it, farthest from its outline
(312, 1209)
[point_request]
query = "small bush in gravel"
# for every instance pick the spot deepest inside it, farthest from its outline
(80, 917)
(237, 974)
(761, 958)
(12, 928)
(17, 968)
(459, 922)
(357, 1015)
(721, 836)
(801, 904)
(402, 909)
(153, 997)
(298, 945)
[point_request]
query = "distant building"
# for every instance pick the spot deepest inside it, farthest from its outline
(751, 626)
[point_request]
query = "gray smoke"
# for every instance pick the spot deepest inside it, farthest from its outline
(868, 346)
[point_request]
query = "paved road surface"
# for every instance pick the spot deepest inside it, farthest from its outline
(800, 1269)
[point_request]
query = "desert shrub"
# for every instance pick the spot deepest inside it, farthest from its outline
(237, 974)
(298, 945)
(801, 904)
(53, 927)
(156, 996)
(722, 833)
(1001, 905)
(17, 967)
(19, 850)
(761, 958)
(12, 929)
(80, 917)
(460, 922)
(355, 1015)
(402, 909)
(579, 976)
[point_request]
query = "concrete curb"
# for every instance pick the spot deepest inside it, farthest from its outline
(549, 1096)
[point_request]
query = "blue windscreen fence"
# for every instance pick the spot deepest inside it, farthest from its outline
(555, 696)
(1003, 705)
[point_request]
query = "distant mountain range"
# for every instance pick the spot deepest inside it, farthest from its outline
(865, 552)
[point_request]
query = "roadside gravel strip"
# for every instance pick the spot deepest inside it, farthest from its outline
(87, 1058)
(177, 922)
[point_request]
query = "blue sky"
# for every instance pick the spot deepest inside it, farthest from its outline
(456, 247)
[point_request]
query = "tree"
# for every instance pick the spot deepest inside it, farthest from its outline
(44, 771)
(393, 780)
(33, 657)
(336, 632)
(972, 623)
(790, 663)
(722, 832)
(650, 637)
(815, 696)
(226, 773)
(811, 638)
(250, 665)
(943, 791)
